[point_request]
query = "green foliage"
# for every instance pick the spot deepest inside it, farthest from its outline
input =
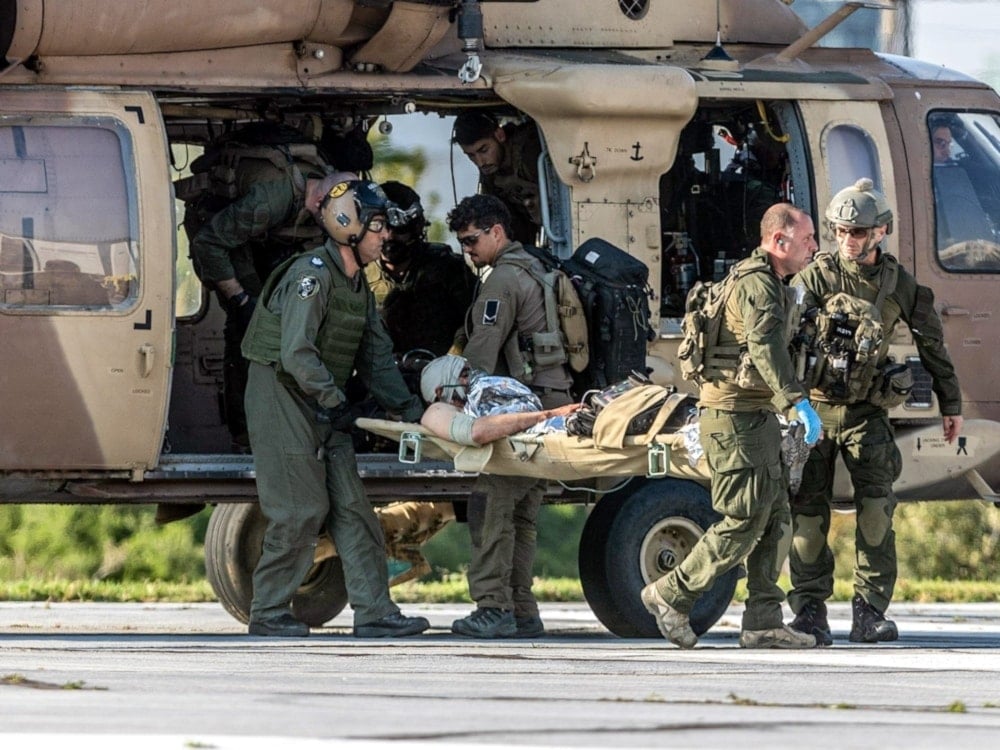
(947, 552)
(107, 542)
(559, 528)
(955, 541)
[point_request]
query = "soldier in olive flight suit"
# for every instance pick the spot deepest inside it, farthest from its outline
(508, 308)
(741, 437)
(316, 324)
(507, 160)
(856, 421)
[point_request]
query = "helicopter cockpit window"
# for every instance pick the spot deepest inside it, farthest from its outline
(965, 149)
(66, 238)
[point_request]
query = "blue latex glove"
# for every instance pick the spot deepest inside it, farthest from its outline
(809, 417)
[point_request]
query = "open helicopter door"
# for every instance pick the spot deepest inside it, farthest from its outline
(86, 280)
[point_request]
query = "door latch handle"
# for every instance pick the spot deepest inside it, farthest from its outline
(147, 352)
(954, 310)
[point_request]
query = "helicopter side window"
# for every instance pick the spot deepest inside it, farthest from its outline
(65, 239)
(965, 149)
(850, 154)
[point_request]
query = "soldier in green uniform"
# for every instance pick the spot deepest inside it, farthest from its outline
(315, 325)
(422, 289)
(741, 437)
(508, 308)
(855, 383)
(270, 220)
(507, 160)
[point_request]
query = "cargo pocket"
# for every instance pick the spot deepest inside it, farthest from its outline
(745, 462)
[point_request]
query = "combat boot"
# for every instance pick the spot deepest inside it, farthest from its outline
(783, 637)
(282, 626)
(486, 622)
(811, 619)
(674, 626)
(870, 625)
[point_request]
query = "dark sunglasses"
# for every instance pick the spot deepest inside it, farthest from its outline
(855, 232)
(471, 239)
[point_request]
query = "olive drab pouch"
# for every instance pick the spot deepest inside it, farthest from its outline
(892, 386)
(700, 356)
(849, 340)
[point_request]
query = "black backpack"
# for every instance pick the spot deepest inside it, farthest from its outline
(614, 289)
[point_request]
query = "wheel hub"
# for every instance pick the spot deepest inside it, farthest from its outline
(666, 545)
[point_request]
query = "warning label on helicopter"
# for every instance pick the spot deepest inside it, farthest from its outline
(938, 446)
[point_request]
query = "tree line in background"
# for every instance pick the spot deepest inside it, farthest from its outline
(935, 540)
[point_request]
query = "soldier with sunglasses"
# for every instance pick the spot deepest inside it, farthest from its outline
(861, 293)
(508, 308)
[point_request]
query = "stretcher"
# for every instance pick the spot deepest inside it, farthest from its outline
(554, 455)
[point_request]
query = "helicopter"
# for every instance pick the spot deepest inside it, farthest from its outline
(665, 128)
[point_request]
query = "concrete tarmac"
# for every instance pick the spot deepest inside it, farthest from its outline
(182, 676)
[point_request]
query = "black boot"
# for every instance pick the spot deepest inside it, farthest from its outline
(870, 625)
(811, 619)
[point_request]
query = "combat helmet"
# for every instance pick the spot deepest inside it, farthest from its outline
(860, 205)
(348, 208)
(406, 214)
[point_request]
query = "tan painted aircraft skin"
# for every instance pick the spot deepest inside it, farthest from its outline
(656, 142)
(607, 90)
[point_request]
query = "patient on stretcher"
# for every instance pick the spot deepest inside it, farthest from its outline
(469, 407)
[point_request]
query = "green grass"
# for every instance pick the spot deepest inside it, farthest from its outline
(451, 589)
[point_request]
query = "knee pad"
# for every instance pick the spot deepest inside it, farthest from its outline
(809, 539)
(875, 519)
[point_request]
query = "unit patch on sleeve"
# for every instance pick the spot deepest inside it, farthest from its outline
(491, 312)
(308, 285)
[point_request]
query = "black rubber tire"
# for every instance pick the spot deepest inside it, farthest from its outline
(592, 560)
(654, 524)
(232, 548)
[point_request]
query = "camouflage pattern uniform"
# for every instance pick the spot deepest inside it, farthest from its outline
(503, 510)
(425, 306)
(313, 326)
(516, 180)
(741, 437)
(235, 243)
(860, 433)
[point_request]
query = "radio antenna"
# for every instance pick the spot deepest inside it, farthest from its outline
(717, 52)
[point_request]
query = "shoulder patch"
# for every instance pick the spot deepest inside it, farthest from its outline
(308, 286)
(315, 261)
(491, 312)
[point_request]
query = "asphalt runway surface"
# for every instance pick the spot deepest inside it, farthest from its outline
(186, 676)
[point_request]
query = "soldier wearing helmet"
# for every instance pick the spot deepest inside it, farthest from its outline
(422, 289)
(854, 384)
(315, 325)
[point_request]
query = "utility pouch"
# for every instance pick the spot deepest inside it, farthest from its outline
(547, 349)
(892, 386)
(747, 375)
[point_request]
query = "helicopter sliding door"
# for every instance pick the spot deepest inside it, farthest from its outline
(950, 138)
(86, 280)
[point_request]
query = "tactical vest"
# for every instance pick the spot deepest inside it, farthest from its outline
(847, 340)
(339, 335)
(701, 357)
(229, 170)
